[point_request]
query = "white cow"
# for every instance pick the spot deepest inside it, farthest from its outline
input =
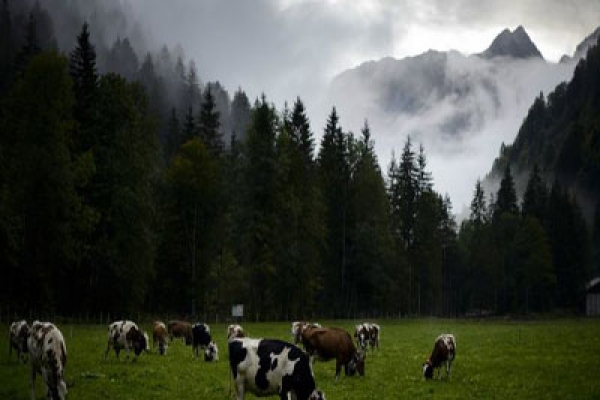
(125, 335)
(48, 357)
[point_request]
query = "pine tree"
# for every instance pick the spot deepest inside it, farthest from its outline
(82, 65)
(240, 115)
(334, 173)
(260, 202)
(408, 191)
(506, 199)
(209, 125)
(423, 176)
(478, 206)
(189, 131)
(535, 199)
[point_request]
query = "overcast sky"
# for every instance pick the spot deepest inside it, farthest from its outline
(289, 48)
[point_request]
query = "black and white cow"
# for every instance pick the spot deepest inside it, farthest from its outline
(444, 349)
(367, 334)
(201, 339)
(18, 333)
(268, 367)
(125, 335)
(235, 331)
(48, 357)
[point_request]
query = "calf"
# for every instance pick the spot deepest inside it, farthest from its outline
(334, 343)
(125, 335)
(235, 331)
(180, 329)
(18, 333)
(159, 335)
(201, 339)
(299, 326)
(48, 357)
(268, 367)
(444, 349)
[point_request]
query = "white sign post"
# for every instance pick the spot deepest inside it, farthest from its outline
(237, 311)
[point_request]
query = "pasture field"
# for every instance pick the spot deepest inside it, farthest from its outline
(555, 359)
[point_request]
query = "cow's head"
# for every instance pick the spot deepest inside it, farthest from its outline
(317, 395)
(427, 370)
(139, 342)
(211, 352)
(357, 364)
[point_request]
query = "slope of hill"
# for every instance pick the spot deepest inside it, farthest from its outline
(561, 134)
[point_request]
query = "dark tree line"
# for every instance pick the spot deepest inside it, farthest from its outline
(132, 190)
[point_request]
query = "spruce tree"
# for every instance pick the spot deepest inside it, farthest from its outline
(82, 65)
(478, 206)
(240, 115)
(209, 125)
(535, 199)
(506, 199)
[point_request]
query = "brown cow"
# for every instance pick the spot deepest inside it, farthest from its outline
(329, 343)
(444, 350)
(180, 329)
(159, 334)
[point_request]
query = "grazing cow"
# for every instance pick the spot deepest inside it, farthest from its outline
(444, 349)
(367, 334)
(299, 326)
(334, 343)
(268, 367)
(201, 339)
(211, 353)
(125, 335)
(18, 333)
(180, 329)
(159, 334)
(48, 357)
(235, 331)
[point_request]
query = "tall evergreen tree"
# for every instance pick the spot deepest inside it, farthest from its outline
(478, 206)
(334, 173)
(240, 115)
(535, 199)
(208, 124)
(260, 202)
(506, 199)
(82, 65)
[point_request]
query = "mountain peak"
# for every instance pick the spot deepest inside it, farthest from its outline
(516, 44)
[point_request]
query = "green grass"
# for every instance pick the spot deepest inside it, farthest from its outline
(557, 359)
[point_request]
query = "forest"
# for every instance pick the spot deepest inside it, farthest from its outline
(130, 186)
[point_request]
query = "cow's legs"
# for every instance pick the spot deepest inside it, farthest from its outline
(239, 389)
(338, 368)
(448, 367)
(107, 350)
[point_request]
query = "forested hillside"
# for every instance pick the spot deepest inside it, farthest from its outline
(131, 187)
(561, 135)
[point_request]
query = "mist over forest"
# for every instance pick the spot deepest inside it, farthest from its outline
(130, 183)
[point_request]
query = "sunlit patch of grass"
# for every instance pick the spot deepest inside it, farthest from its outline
(555, 359)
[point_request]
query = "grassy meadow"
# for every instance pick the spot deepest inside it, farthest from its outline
(556, 359)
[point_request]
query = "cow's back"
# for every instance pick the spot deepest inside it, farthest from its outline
(329, 343)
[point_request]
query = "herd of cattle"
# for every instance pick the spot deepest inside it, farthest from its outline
(263, 367)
